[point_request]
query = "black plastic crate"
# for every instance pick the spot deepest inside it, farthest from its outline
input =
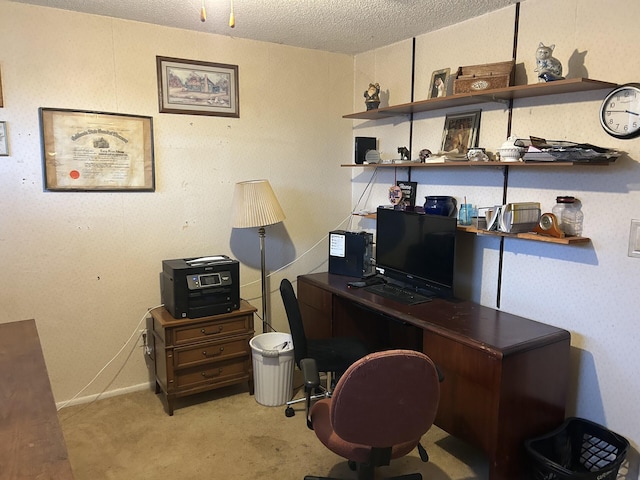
(577, 450)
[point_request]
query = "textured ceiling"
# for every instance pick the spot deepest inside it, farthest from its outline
(346, 26)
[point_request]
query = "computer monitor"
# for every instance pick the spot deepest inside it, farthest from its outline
(416, 250)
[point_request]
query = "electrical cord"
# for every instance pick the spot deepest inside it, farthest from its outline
(136, 330)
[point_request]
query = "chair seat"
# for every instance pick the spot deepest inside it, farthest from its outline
(320, 412)
(335, 354)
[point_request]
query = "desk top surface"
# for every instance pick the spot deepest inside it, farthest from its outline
(31, 440)
(467, 322)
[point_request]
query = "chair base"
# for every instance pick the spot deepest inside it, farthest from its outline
(410, 476)
(324, 393)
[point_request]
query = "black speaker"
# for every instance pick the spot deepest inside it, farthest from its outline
(363, 145)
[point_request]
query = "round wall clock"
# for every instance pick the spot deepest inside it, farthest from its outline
(620, 111)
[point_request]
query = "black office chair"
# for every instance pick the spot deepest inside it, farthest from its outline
(332, 355)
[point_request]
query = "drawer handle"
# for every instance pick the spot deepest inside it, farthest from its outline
(214, 354)
(204, 331)
(212, 375)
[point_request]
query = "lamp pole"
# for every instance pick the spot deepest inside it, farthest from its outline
(266, 322)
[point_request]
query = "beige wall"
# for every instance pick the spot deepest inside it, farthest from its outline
(86, 265)
(590, 290)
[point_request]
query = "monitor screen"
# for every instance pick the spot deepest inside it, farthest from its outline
(416, 249)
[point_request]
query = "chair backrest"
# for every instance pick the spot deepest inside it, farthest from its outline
(386, 398)
(295, 320)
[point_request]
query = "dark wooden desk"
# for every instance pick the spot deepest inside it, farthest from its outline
(31, 441)
(506, 376)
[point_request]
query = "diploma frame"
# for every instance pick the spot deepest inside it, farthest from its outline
(4, 142)
(193, 87)
(86, 151)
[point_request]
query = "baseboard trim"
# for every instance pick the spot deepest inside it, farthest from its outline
(103, 395)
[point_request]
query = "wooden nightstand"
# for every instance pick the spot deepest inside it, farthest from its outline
(193, 355)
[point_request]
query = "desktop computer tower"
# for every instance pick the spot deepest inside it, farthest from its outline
(350, 253)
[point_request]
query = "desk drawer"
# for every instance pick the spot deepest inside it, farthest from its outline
(213, 329)
(228, 371)
(204, 353)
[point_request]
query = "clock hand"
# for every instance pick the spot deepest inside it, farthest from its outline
(624, 111)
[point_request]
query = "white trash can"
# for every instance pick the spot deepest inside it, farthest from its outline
(273, 364)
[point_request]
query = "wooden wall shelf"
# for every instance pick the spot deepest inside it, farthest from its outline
(569, 85)
(523, 236)
(477, 164)
(526, 236)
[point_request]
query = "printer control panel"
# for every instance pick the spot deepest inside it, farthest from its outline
(218, 279)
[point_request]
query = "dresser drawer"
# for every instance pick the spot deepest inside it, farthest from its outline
(217, 373)
(204, 353)
(200, 332)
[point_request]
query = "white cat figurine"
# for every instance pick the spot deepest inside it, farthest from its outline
(548, 67)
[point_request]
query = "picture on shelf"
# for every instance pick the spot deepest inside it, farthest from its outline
(408, 193)
(460, 132)
(439, 82)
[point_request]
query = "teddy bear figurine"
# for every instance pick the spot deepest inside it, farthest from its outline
(548, 67)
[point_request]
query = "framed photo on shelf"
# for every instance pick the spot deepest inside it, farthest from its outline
(460, 132)
(439, 83)
(96, 151)
(197, 88)
(4, 142)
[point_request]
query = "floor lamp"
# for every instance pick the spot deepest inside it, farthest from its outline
(255, 205)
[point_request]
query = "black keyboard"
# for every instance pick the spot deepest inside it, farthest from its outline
(399, 294)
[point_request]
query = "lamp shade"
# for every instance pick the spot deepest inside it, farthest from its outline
(255, 205)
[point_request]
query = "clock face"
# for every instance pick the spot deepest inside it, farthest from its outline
(546, 222)
(620, 111)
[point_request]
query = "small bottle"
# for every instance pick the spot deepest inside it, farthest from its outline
(569, 215)
(465, 214)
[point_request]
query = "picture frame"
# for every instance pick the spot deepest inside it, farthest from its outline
(460, 132)
(194, 87)
(4, 141)
(1, 101)
(87, 151)
(439, 83)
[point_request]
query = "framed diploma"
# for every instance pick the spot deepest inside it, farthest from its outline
(96, 151)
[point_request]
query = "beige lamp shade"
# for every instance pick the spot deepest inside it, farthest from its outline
(255, 205)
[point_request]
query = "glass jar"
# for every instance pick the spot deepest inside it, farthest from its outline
(569, 215)
(465, 213)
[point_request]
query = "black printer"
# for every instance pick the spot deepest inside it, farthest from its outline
(200, 286)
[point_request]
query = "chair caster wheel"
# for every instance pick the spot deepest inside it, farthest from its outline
(352, 465)
(289, 412)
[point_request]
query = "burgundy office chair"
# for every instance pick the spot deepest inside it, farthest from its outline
(381, 407)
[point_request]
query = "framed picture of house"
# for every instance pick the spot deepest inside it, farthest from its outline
(197, 88)
(86, 151)
(460, 132)
(439, 83)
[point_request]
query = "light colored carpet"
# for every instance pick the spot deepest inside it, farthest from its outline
(226, 434)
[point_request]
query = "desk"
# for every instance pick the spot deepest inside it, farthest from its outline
(31, 441)
(506, 376)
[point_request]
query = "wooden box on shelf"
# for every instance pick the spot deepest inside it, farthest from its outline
(488, 76)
